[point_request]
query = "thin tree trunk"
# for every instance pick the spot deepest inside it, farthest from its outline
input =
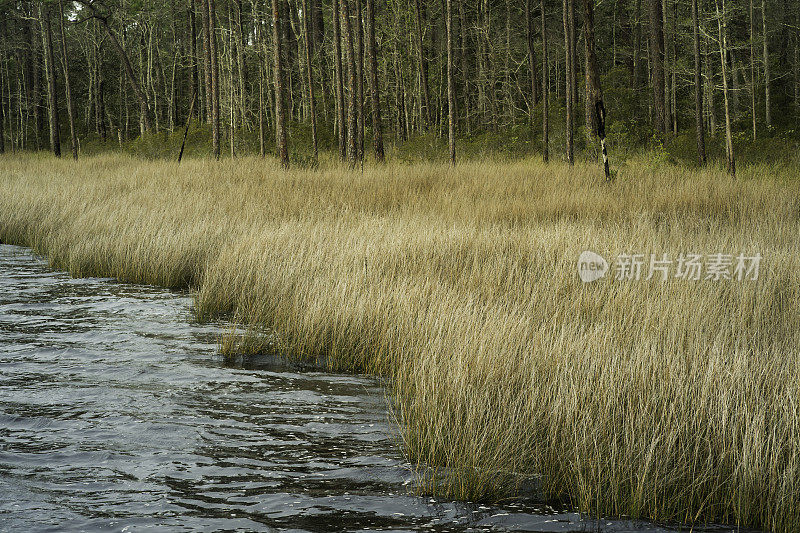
(193, 69)
(752, 68)
(347, 26)
(50, 73)
(280, 112)
(374, 89)
(137, 88)
(767, 102)
(423, 67)
(339, 81)
(657, 59)
(568, 81)
(698, 88)
(723, 47)
(451, 92)
(310, 78)
(65, 60)
(207, 59)
(545, 91)
(215, 118)
(359, 35)
(531, 58)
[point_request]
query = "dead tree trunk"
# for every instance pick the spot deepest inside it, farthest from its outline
(595, 109)
(374, 89)
(280, 109)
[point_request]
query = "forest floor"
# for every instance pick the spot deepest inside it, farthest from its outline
(668, 399)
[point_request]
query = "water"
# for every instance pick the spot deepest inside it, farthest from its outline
(117, 414)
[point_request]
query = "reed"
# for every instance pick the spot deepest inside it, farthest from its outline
(675, 400)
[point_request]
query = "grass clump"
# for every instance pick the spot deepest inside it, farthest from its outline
(673, 400)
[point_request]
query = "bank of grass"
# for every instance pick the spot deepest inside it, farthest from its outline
(673, 400)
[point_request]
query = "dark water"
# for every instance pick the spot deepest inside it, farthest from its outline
(117, 414)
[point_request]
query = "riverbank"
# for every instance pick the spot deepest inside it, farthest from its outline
(675, 400)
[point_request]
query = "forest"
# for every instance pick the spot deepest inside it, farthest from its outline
(293, 77)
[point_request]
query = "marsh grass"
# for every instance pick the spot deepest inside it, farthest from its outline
(670, 400)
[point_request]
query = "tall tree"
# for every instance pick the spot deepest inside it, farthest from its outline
(339, 81)
(531, 59)
(545, 91)
(67, 85)
(215, 81)
(595, 108)
(752, 67)
(50, 74)
(568, 70)
(374, 89)
(723, 48)
(359, 35)
(698, 87)
(347, 27)
(767, 102)
(657, 62)
(310, 78)
(280, 107)
(424, 94)
(451, 92)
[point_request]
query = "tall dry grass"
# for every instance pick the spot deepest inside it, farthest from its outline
(673, 400)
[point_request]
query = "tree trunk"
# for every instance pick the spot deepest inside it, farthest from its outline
(752, 67)
(212, 29)
(50, 74)
(545, 91)
(347, 26)
(451, 92)
(595, 108)
(698, 88)
(423, 67)
(767, 103)
(280, 111)
(65, 60)
(657, 59)
(207, 59)
(359, 35)
(193, 69)
(723, 47)
(374, 89)
(339, 81)
(310, 78)
(531, 58)
(568, 81)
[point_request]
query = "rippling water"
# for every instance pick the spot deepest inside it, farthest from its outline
(116, 413)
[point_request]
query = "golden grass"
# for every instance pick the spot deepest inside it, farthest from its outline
(671, 400)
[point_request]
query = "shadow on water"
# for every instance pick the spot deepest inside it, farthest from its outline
(116, 411)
